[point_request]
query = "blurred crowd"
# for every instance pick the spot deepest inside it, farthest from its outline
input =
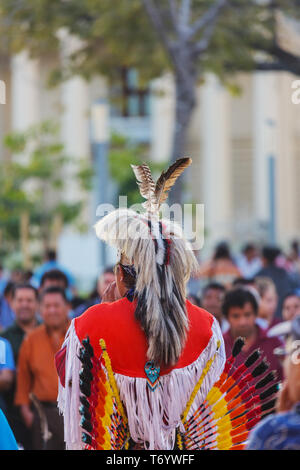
(254, 294)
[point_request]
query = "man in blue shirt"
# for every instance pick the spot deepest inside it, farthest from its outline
(282, 430)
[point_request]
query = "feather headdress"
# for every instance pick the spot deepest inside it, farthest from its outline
(162, 259)
(156, 193)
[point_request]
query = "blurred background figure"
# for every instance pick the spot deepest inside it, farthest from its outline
(95, 297)
(104, 280)
(283, 281)
(50, 264)
(291, 305)
(212, 299)
(37, 384)
(221, 268)
(17, 276)
(291, 261)
(25, 306)
(54, 278)
(7, 315)
(240, 309)
(268, 302)
(249, 262)
(282, 430)
(194, 299)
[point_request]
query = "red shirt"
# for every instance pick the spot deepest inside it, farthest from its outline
(126, 342)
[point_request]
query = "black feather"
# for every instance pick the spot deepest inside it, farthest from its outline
(265, 380)
(252, 358)
(86, 424)
(84, 401)
(260, 369)
(85, 375)
(270, 391)
(85, 412)
(86, 438)
(269, 405)
(87, 345)
(84, 357)
(237, 347)
(85, 388)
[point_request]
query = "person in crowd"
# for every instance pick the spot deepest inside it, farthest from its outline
(291, 261)
(244, 282)
(291, 305)
(240, 308)
(25, 306)
(50, 264)
(194, 299)
(212, 299)
(37, 384)
(103, 282)
(249, 262)
(7, 315)
(281, 431)
(17, 276)
(282, 279)
(7, 369)
(268, 302)
(54, 277)
(58, 278)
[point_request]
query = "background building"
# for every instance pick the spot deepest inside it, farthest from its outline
(245, 147)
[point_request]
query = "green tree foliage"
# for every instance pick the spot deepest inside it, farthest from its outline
(188, 37)
(32, 181)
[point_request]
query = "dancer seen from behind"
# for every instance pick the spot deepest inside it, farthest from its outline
(145, 370)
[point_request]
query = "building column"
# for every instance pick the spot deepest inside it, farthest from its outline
(265, 154)
(75, 115)
(216, 162)
(288, 177)
(77, 251)
(162, 117)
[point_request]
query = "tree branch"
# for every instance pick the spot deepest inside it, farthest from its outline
(270, 66)
(207, 19)
(156, 19)
(184, 15)
(173, 14)
(284, 60)
(179, 55)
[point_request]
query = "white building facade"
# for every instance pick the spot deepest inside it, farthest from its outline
(245, 149)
